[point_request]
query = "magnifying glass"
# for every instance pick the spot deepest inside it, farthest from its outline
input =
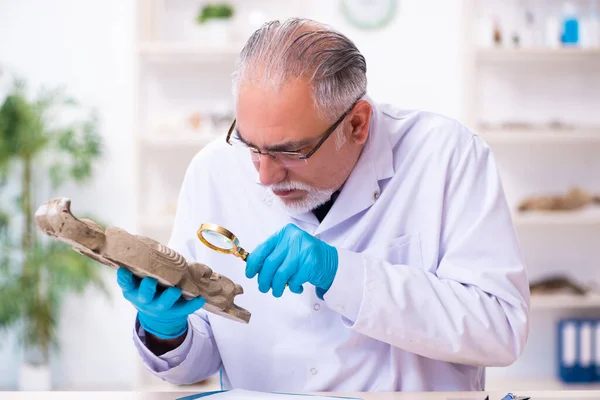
(220, 239)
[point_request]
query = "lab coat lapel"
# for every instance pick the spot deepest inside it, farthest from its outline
(362, 189)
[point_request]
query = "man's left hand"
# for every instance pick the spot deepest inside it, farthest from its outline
(294, 257)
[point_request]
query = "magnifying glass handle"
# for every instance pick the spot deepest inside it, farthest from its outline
(241, 253)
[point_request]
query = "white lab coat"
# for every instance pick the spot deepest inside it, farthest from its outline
(430, 287)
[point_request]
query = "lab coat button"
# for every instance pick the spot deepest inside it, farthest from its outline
(313, 371)
(317, 306)
(375, 195)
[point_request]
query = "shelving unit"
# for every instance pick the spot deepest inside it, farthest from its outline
(179, 76)
(537, 107)
(183, 102)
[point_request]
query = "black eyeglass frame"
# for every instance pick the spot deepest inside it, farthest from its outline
(301, 156)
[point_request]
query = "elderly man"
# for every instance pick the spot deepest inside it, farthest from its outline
(382, 252)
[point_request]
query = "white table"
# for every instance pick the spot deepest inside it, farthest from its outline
(535, 395)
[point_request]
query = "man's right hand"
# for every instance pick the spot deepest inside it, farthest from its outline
(163, 313)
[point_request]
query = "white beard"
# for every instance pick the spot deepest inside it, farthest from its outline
(313, 198)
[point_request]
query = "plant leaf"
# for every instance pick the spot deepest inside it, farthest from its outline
(21, 129)
(4, 222)
(11, 307)
(35, 279)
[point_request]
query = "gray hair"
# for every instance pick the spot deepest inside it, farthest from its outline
(303, 48)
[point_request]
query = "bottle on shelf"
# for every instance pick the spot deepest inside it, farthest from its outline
(552, 32)
(497, 33)
(570, 25)
(489, 32)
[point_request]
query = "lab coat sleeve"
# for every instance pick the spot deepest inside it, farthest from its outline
(190, 362)
(474, 308)
(197, 358)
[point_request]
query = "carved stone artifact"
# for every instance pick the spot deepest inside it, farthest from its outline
(575, 199)
(143, 256)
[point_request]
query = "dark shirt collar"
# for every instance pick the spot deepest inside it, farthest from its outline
(321, 211)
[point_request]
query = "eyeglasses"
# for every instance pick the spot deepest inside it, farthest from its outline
(286, 158)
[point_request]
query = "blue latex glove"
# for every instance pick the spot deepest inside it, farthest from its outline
(294, 257)
(162, 313)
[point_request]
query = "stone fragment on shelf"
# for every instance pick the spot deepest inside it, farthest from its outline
(557, 284)
(576, 198)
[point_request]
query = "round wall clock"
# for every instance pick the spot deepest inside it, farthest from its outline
(369, 14)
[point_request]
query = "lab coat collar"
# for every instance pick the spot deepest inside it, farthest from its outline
(362, 188)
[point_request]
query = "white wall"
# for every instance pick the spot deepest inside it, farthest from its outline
(414, 61)
(88, 46)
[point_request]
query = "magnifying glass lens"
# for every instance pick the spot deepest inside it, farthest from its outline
(217, 240)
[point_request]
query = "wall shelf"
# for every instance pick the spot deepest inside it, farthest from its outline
(564, 301)
(586, 217)
(538, 54)
(541, 136)
(177, 141)
(173, 52)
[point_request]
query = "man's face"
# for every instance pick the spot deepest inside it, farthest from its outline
(287, 120)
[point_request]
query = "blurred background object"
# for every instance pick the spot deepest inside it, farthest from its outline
(523, 74)
(369, 14)
(38, 155)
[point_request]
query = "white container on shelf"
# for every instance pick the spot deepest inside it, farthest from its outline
(211, 33)
(553, 32)
(217, 32)
(485, 33)
(590, 28)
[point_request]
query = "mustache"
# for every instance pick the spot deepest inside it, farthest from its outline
(290, 185)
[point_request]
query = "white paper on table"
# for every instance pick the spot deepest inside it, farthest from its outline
(475, 397)
(239, 394)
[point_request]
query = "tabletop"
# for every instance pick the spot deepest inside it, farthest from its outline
(109, 395)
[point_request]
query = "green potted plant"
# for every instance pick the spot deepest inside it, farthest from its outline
(216, 22)
(44, 145)
(211, 12)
